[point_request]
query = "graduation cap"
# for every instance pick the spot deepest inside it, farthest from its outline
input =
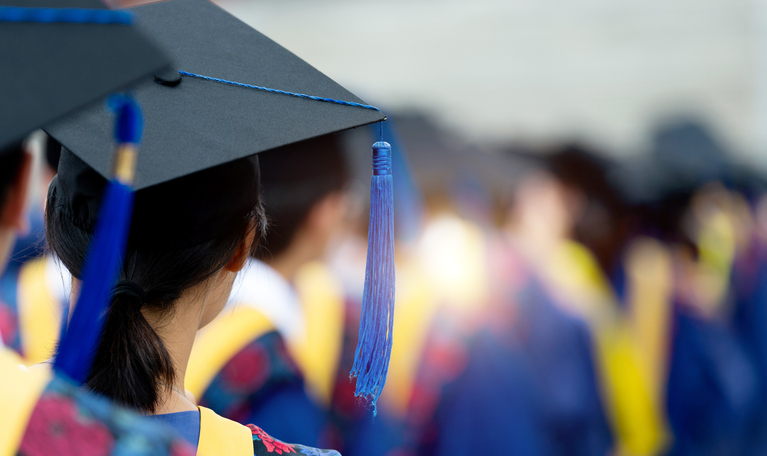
(233, 93)
(58, 55)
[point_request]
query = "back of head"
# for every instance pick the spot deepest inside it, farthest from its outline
(182, 233)
(295, 178)
(600, 221)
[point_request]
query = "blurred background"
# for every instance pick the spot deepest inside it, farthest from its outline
(578, 209)
(540, 71)
(581, 231)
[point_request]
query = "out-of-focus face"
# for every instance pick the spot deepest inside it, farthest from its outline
(720, 223)
(544, 211)
(326, 221)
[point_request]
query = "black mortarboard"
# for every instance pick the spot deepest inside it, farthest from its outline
(685, 155)
(58, 55)
(233, 93)
(196, 123)
(193, 124)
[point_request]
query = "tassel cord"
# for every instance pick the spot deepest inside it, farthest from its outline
(100, 273)
(65, 15)
(371, 360)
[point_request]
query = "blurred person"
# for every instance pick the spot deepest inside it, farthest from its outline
(706, 359)
(17, 170)
(34, 291)
(597, 272)
(43, 411)
(284, 366)
(541, 324)
(705, 375)
(748, 275)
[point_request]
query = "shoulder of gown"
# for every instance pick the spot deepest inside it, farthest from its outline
(68, 420)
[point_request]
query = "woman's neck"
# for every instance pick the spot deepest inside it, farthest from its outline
(178, 331)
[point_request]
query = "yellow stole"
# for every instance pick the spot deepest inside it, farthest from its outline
(20, 389)
(219, 436)
(629, 350)
(317, 355)
(39, 312)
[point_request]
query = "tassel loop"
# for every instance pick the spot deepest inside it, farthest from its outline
(381, 158)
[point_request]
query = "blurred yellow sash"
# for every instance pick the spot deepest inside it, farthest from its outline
(317, 355)
(19, 391)
(39, 312)
(629, 349)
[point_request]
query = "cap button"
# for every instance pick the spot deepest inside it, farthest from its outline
(168, 77)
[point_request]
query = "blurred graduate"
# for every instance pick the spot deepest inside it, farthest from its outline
(284, 367)
(92, 51)
(526, 378)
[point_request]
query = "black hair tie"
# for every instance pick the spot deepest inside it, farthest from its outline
(131, 290)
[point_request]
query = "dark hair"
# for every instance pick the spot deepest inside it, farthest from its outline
(10, 162)
(294, 178)
(132, 365)
(603, 226)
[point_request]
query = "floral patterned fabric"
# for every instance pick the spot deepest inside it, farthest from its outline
(70, 422)
(264, 444)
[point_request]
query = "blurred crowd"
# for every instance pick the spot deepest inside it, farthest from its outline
(549, 301)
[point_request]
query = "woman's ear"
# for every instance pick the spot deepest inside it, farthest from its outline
(237, 262)
(13, 213)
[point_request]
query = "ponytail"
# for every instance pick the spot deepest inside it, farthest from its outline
(131, 364)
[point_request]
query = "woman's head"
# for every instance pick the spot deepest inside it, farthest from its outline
(188, 235)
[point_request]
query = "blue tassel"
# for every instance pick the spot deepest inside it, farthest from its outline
(104, 261)
(129, 124)
(371, 359)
